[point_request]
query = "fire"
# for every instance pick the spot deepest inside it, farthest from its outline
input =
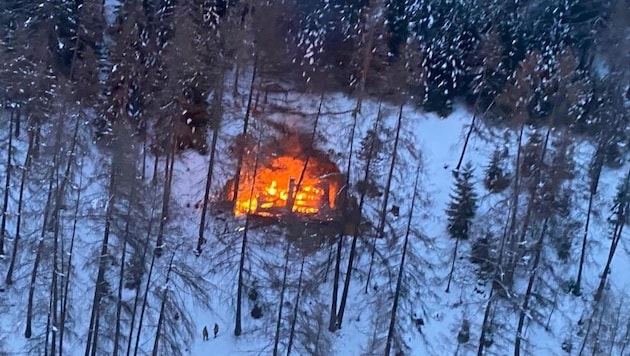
(286, 184)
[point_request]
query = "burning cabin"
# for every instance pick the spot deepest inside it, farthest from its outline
(287, 177)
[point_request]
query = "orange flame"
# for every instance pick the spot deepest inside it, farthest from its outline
(276, 188)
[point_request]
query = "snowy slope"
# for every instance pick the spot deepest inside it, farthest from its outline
(426, 139)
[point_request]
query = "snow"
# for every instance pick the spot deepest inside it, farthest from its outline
(426, 139)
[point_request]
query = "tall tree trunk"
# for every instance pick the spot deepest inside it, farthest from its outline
(470, 131)
(533, 190)
(18, 118)
(156, 161)
(239, 288)
(47, 214)
(59, 202)
(237, 71)
(355, 237)
(333, 324)
(48, 321)
(611, 253)
(168, 180)
(241, 265)
(595, 175)
(329, 261)
(298, 186)
(239, 164)
(383, 216)
(38, 257)
(528, 293)
(392, 320)
(283, 287)
(296, 308)
(121, 275)
(25, 170)
(99, 292)
(626, 339)
(54, 290)
(139, 284)
(66, 287)
(485, 324)
(507, 270)
(7, 187)
(367, 59)
(144, 305)
(156, 344)
(218, 109)
(616, 327)
(450, 274)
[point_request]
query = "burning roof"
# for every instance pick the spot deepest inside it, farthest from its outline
(287, 176)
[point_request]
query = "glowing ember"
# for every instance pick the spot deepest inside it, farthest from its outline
(285, 184)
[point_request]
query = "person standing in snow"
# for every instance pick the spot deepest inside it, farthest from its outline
(216, 330)
(205, 333)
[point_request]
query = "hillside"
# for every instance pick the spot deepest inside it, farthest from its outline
(321, 177)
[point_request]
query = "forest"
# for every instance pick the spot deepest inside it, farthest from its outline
(314, 177)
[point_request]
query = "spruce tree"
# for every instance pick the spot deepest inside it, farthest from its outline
(496, 180)
(463, 204)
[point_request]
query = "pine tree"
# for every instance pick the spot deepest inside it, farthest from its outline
(463, 204)
(496, 180)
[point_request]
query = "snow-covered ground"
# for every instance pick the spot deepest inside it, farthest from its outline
(433, 142)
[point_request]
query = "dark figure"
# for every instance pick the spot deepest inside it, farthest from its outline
(216, 330)
(205, 333)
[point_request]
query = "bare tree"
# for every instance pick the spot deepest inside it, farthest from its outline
(595, 172)
(530, 287)
(7, 187)
(619, 220)
(392, 322)
(241, 265)
(371, 155)
(239, 164)
(25, 170)
(156, 343)
(296, 308)
(382, 219)
(283, 286)
(217, 110)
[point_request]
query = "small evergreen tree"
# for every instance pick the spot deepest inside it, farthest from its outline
(496, 179)
(463, 204)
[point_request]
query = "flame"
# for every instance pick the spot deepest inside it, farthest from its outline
(276, 187)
